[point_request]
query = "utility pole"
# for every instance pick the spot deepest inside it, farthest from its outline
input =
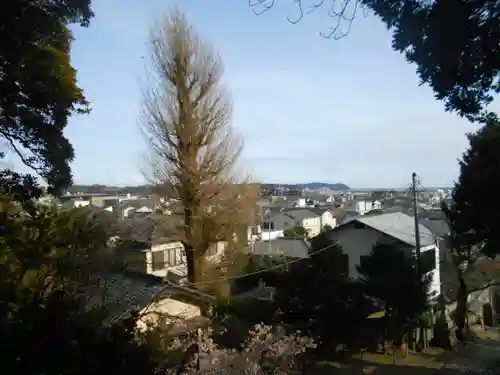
(415, 213)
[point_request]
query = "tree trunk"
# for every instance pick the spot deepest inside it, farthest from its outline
(461, 310)
(188, 246)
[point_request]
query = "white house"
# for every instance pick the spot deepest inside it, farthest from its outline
(364, 206)
(326, 216)
(167, 256)
(359, 235)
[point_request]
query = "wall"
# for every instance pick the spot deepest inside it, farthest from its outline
(167, 307)
(271, 235)
(358, 242)
(312, 225)
(81, 203)
(176, 249)
(328, 219)
(476, 301)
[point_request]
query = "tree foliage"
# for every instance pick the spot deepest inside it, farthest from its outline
(317, 297)
(39, 86)
(473, 218)
(50, 262)
(193, 152)
(389, 278)
(457, 57)
(267, 350)
(295, 232)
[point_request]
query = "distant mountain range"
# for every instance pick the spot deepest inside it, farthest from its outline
(148, 189)
(309, 185)
(318, 185)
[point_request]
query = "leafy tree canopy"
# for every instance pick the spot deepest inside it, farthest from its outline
(317, 296)
(39, 87)
(472, 215)
(49, 262)
(458, 56)
(295, 232)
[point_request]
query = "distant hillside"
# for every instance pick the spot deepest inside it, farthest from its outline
(103, 189)
(319, 185)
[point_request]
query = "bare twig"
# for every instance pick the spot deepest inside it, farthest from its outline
(342, 13)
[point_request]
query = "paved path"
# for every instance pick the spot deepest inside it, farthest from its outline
(481, 357)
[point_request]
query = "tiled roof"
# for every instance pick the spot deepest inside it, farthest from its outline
(301, 214)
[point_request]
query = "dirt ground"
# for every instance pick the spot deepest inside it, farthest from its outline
(481, 356)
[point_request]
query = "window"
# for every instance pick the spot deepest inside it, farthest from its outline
(255, 230)
(268, 225)
(427, 261)
(158, 260)
(212, 249)
(171, 258)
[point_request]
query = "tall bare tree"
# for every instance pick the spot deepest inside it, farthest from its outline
(193, 151)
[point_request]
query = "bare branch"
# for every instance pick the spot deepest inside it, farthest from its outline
(342, 13)
(260, 6)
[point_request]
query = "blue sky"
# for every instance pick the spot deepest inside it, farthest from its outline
(309, 109)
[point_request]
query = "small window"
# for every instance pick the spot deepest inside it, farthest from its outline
(427, 261)
(158, 260)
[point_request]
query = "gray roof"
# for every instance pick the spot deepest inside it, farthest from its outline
(289, 247)
(399, 226)
(301, 214)
(438, 227)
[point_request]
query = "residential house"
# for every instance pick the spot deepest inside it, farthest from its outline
(152, 298)
(481, 299)
(326, 215)
(149, 252)
(358, 236)
(305, 218)
(364, 206)
(273, 227)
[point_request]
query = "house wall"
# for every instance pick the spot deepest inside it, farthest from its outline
(312, 226)
(358, 242)
(81, 203)
(165, 308)
(327, 218)
(271, 235)
(174, 256)
(476, 301)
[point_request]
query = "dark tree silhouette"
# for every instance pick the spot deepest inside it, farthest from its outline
(39, 88)
(473, 220)
(316, 296)
(389, 277)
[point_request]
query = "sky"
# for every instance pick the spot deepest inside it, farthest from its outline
(308, 108)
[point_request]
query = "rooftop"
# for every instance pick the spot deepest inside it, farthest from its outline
(289, 247)
(399, 226)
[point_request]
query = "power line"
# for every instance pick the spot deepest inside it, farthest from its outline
(279, 265)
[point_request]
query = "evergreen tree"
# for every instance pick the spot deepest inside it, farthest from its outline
(39, 89)
(389, 278)
(50, 264)
(317, 297)
(473, 218)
